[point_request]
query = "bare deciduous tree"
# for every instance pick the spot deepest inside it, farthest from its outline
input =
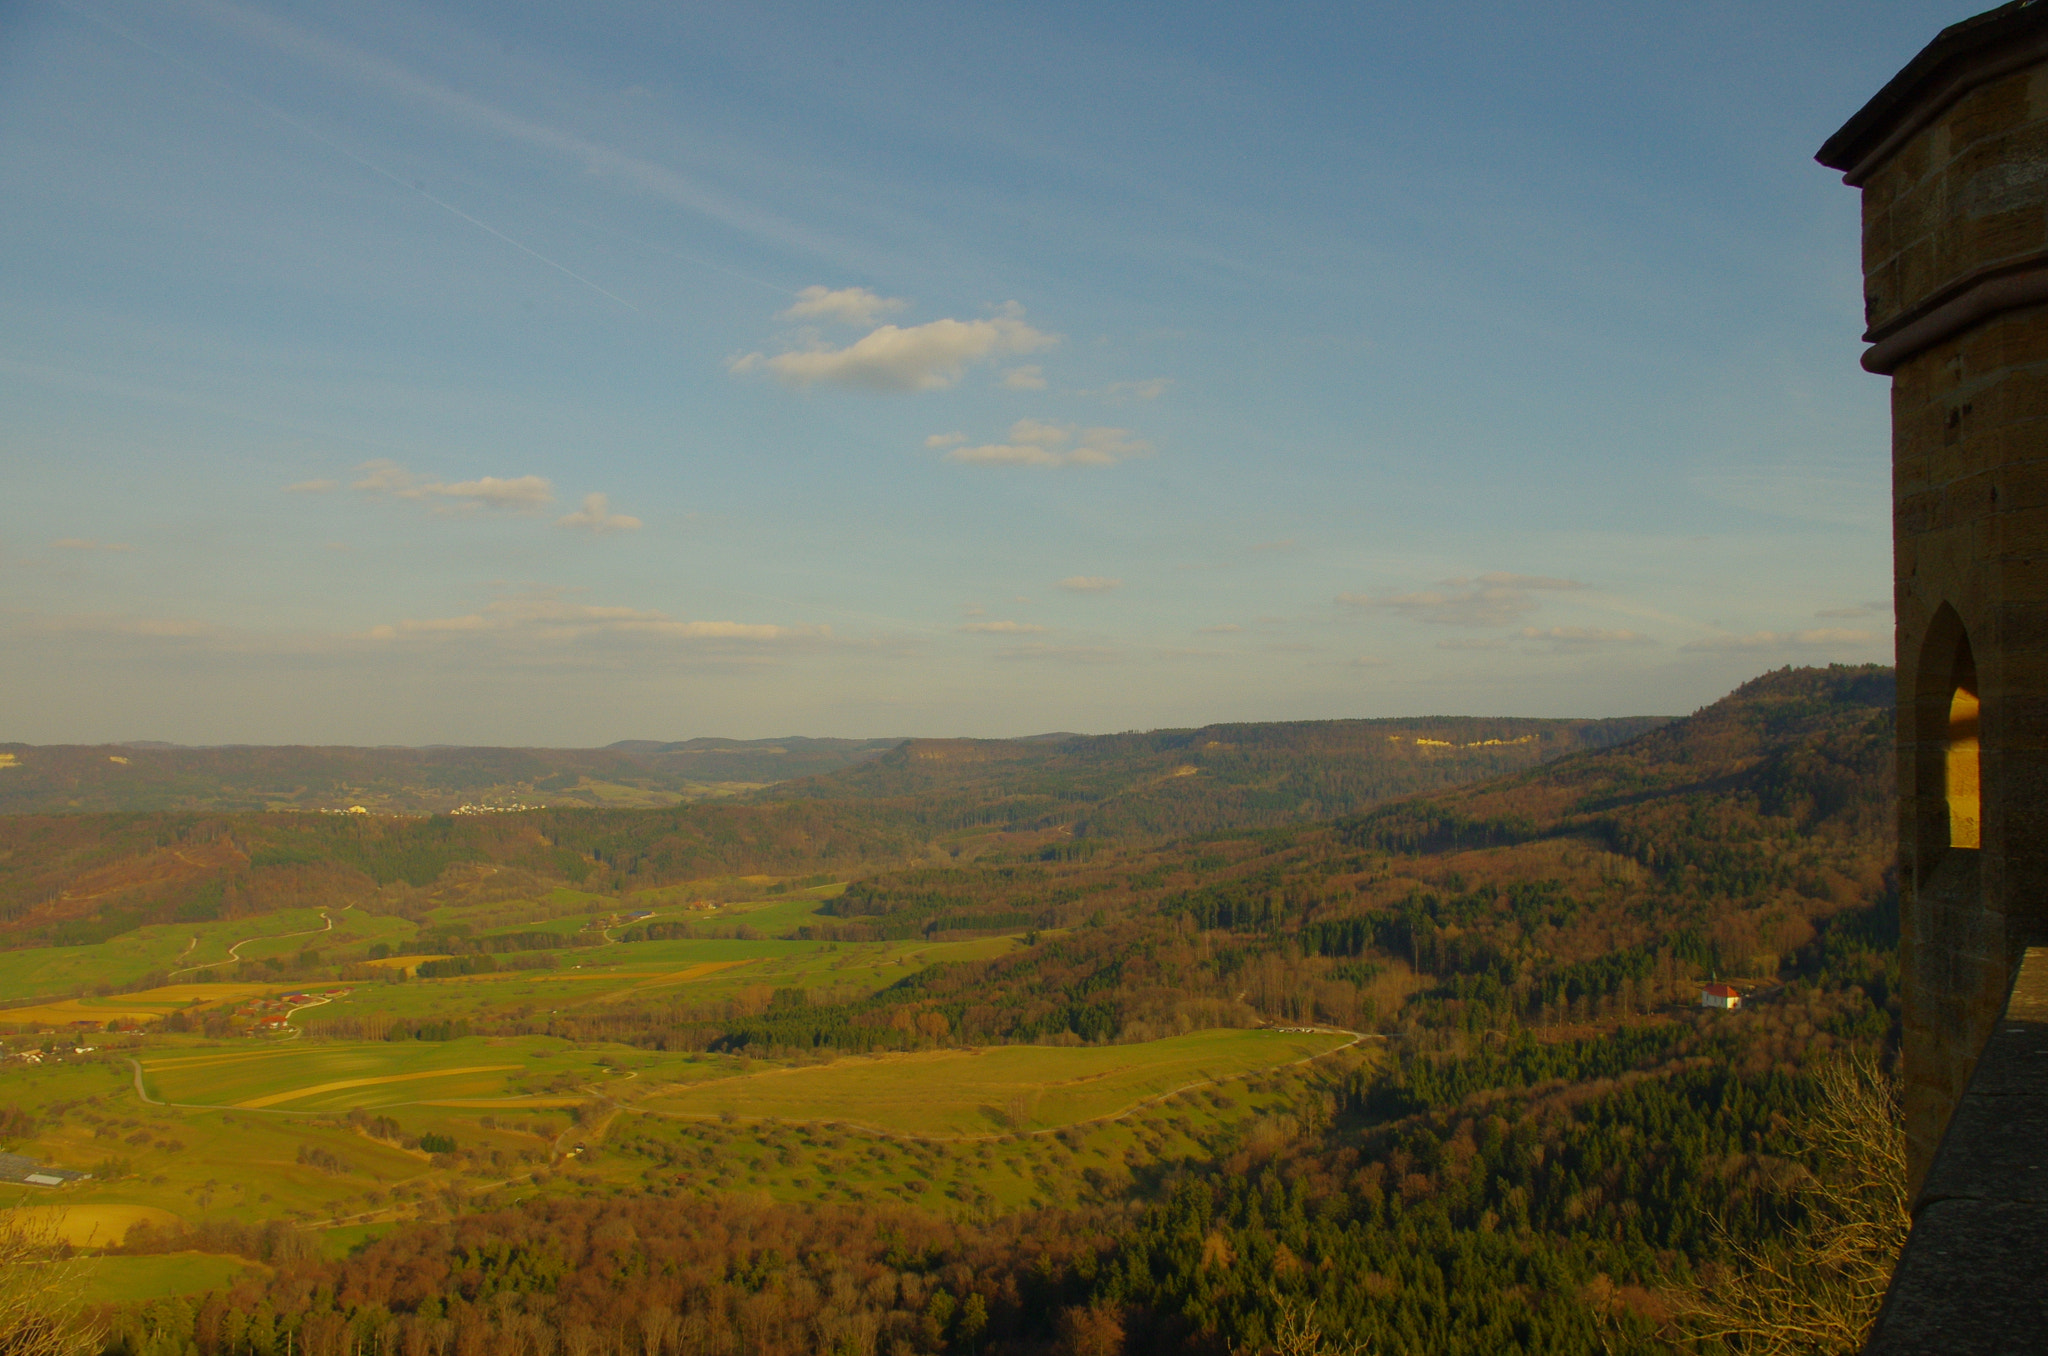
(40, 1311)
(1297, 1333)
(1818, 1291)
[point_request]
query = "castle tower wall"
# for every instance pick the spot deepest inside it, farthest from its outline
(1952, 160)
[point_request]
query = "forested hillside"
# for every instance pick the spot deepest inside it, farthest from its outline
(1540, 1143)
(69, 878)
(1173, 782)
(73, 879)
(1747, 839)
(99, 778)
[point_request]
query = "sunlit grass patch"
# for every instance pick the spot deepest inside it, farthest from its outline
(95, 1226)
(995, 1089)
(129, 1280)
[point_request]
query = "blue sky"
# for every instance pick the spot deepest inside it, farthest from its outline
(936, 369)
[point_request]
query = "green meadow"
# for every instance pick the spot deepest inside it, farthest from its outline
(333, 1078)
(339, 1130)
(183, 949)
(958, 1093)
(105, 1280)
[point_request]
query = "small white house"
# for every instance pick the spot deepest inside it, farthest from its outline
(1723, 996)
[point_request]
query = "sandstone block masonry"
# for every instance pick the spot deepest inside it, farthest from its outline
(1952, 160)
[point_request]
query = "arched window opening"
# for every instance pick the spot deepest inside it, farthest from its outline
(1962, 778)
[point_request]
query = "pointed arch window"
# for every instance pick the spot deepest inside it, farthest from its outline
(1962, 777)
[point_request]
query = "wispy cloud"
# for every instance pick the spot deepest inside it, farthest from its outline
(1090, 583)
(1220, 629)
(1064, 654)
(1583, 637)
(546, 616)
(1816, 638)
(847, 305)
(387, 479)
(1473, 643)
(1028, 378)
(1882, 609)
(1033, 442)
(313, 487)
(1003, 628)
(114, 625)
(594, 158)
(928, 357)
(1492, 599)
(596, 516)
(88, 544)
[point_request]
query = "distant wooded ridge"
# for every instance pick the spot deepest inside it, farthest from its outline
(646, 774)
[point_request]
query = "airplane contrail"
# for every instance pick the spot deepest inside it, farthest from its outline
(410, 186)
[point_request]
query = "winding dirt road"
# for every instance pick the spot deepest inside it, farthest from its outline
(235, 951)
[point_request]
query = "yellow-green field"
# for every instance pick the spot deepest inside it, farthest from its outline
(323, 1124)
(110, 1280)
(330, 1078)
(145, 1006)
(90, 1226)
(943, 1093)
(175, 948)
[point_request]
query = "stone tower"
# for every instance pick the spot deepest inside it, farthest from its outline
(1952, 159)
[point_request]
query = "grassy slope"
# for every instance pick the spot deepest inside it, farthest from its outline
(985, 1092)
(127, 1279)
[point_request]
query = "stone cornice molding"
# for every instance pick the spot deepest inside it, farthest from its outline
(1964, 56)
(1968, 301)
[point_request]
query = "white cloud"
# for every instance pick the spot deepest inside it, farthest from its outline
(1584, 637)
(847, 305)
(596, 516)
(313, 487)
(1123, 392)
(1369, 661)
(1220, 629)
(88, 544)
(1003, 628)
(939, 442)
(1089, 583)
(1492, 599)
(1816, 638)
(520, 492)
(1036, 443)
(928, 357)
(1859, 610)
(525, 494)
(1489, 643)
(1029, 378)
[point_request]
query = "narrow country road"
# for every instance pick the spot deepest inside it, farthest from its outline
(235, 951)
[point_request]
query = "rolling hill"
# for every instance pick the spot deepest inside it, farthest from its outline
(103, 778)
